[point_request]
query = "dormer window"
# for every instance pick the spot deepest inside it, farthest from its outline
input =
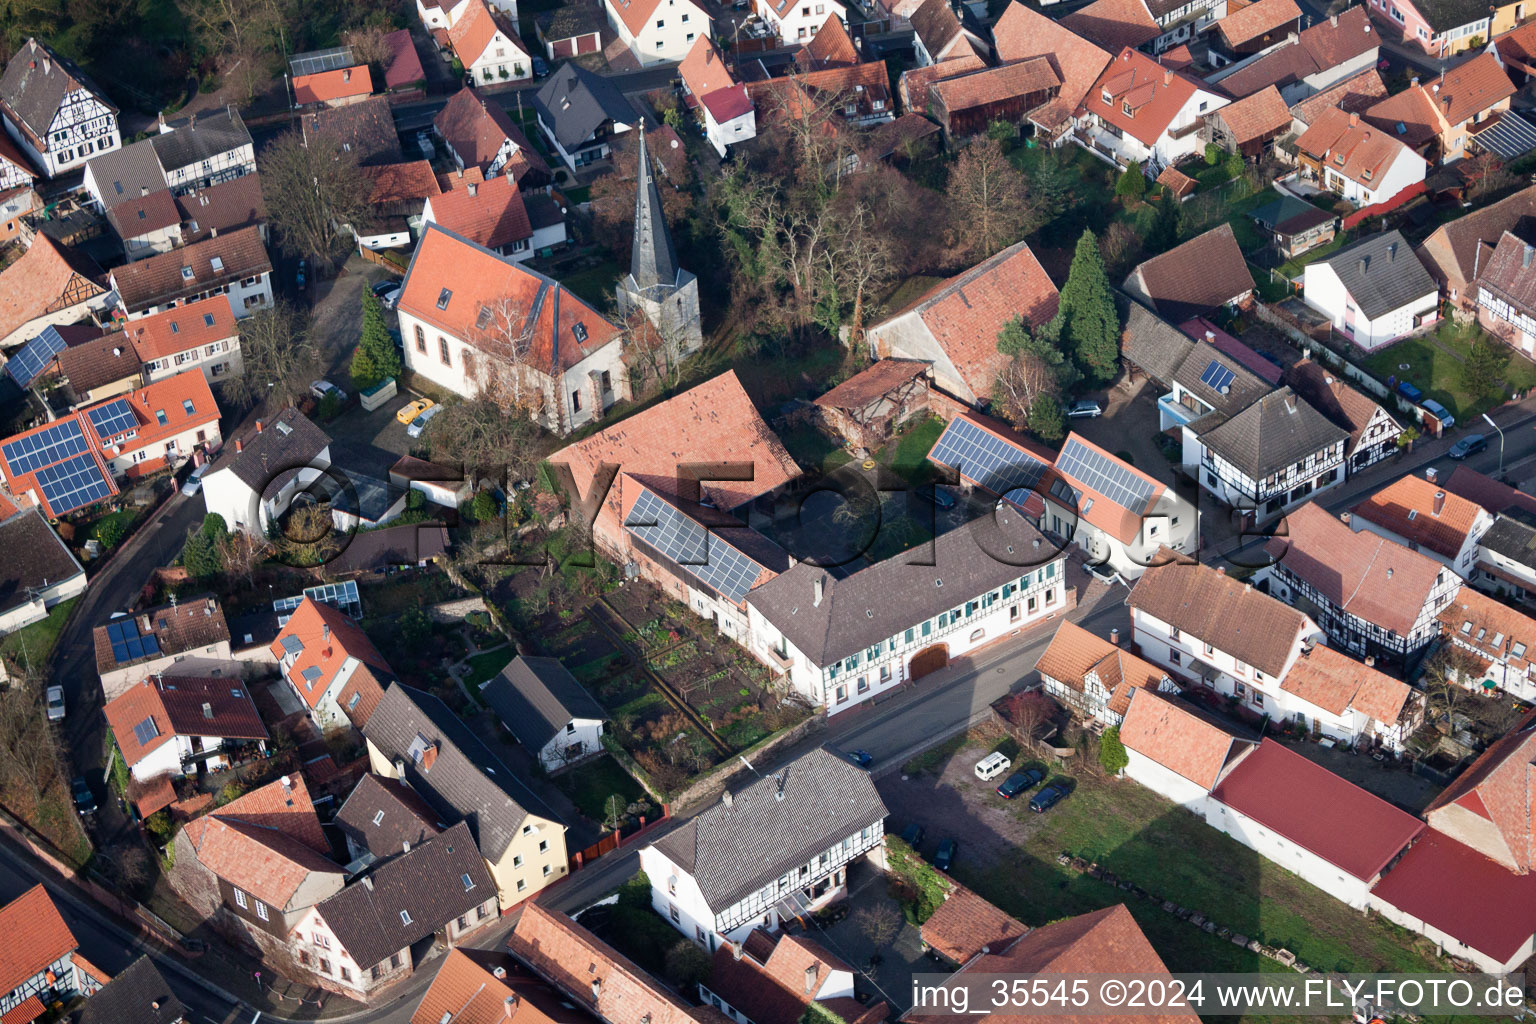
(1125, 108)
(1106, 97)
(1366, 174)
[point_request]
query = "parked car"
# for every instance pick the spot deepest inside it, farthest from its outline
(391, 298)
(1018, 782)
(912, 835)
(1409, 391)
(424, 143)
(1439, 412)
(323, 389)
(85, 800)
(862, 758)
(1048, 797)
(55, 703)
(1103, 572)
(993, 765)
(410, 410)
(1469, 445)
(301, 276)
(540, 67)
(1085, 410)
(934, 495)
(384, 287)
(944, 859)
(195, 480)
(420, 422)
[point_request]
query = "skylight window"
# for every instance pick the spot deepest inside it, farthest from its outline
(443, 297)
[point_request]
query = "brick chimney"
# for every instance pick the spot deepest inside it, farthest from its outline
(428, 758)
(258, 426)
(239, 445)
(325, 637)
(1354, 118)
(1439, 501)
(1114, 637)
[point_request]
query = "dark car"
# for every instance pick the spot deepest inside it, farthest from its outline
(1409, 391)
(862, 758)
(540, 68)
(85, 800)
(944, 859)
(931, 494)
(912, 835)
(1018, 782)
(389, 284)
(1048, 797)
(1469, 445)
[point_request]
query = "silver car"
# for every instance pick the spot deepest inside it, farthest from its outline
(420, 422)
(55, 703)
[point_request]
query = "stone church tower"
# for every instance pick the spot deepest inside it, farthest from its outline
(655, 285)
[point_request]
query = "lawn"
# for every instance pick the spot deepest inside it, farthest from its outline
(485, 666)
(121, 520)
(1434, 364)
(907, 455)
(1151, 842)
(595, 284)
(1294, 266)
(812, 448)
(35, 642)
(590, 785)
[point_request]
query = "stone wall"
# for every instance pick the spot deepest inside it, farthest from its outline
(708, 788)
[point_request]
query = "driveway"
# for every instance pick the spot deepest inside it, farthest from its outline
(1129, 427)
(370, 442)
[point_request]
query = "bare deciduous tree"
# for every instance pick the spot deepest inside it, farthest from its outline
(280, 360)
(368, 44)
(989, 198)
(503, 370)
(315, 196)
(29, 753)
(477, 435)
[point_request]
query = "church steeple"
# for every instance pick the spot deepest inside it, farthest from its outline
(653, 261)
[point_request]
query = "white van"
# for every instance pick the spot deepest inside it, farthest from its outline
(991, 766)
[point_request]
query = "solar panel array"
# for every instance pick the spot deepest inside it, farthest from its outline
(322, 60)
(34, 357)
(1218, 376)
(127, 644)
(993, 463)
(45, 447)
(115, 417)
(690, 545)
(61, 459)
(146, 731)
(1101, 473)
(73, 483)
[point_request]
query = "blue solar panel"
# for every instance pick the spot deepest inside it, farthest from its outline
(692, 547)
(116, 417)
(56, 443)
(127, 644)
(1108, 476)
(34, 357)
(73, 483)
(1218, 376)
(987, 459)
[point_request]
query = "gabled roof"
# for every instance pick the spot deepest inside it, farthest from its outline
(830, 47)
(1024, 32)
(404, 65)
(965, 925)
(1365, 575)
(1444, 15)
(536, 698)
(1121, 515)
(475, 30)
(1105, 941)
(466, 991)
(366, 129)
(163, 335)
(704, 70)
(329, 643)
(1153, 344)
(1348, 408)
(1453, 248)
(594, 975)
(165, 276)
(35, 557)
(490, 214)
(1074, 654)
(476, 129)
(1406, 507)
(1290, 215)
(1352, 148)
(1182, 738)
(1273, 433)
(408, 182)
(1491, 494)
(1354, 95)
(872, 383)
(939, 31)
(1325, 45)
(1497, 786)
(181, 706)
(335, 84)
(105, 360)
(1258, 116)
(1114, 24)
(455, 285)
(1492, 631)
(288, 442)
(409, 897)
(1228, 614)
(191, 623)
(200, 137)
(964, 314)
(1338, 683)
(386, 817)
(574, 103)
(47, 278)
(222, 208)
(267, 843)
(775, 823)
(1408, 116)
(1191, 279)
(34, 86)
(462, 780)
(47, 938)
(1019, 79)
(1154, 94)
(129, 173)
(1256, 19)
(1381, 273)
(137, 995)
(777, 988)
(1508, 272)
(1317, 810)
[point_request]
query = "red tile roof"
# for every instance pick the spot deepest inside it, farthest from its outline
(703, 70)
(125, 712)
(1256, 19)
(1366, 575)
(1338, 683)
(1176, 181)
(1353, 96)
(1172, 734)
(268, 842)
(1491, 631)
(163, 335)
(475, 129)
(466, 993)
(330, 641)
(491, 214)
(776, 988)
(477, 280)
(1456, 889)
(1406, 507)
(178, 628)
(24, 1012)
(37, 936)
(1024, 32)
(964, 313)
(404, 64)
(1351, 147)
(476, 28)
(1154, 93)
(1104, 512)
(408, 182)
(48, 277)
(1488, 492)
(830, 47)
(965, 925)
(1259, 116)
(1031, 77)
(1197, 276)
(1467, 90)
(1074, 654)
(1318, 811)
(1114, 24)
(182, 706)
(872, 383)
(727, 104)
(337, 84)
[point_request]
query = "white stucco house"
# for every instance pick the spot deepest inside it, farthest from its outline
(487, 44)
(549, 712)
(254, 479)
(1374, 291)
(1139, 110)
(1357, 160)
(657, 30)
(168, 725)
(797, 21)
(39, 571)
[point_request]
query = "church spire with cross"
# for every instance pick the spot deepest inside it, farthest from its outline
(656, 285)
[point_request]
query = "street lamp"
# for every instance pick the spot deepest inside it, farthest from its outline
(1489, 420)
